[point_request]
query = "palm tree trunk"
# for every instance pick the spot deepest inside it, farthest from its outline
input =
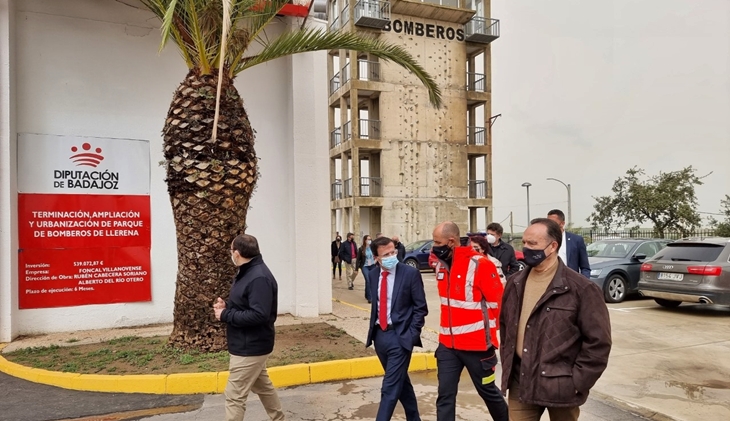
(210, 182)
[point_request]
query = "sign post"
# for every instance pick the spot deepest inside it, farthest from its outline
(83, 221)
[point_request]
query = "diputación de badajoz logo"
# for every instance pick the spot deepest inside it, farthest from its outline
(86, 179)
(87, 157)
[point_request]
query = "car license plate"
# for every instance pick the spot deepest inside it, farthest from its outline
(670, 276)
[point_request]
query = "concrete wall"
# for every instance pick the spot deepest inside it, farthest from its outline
(91, 68)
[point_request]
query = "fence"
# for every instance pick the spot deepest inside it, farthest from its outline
(592, 235)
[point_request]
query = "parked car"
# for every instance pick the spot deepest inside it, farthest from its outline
(692, 270)
(417, 254)
(616, 264)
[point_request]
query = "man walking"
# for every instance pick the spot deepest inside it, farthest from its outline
(397, 315)
(573, 249)
(348, 254)
(249, 313)
(555, 329)
(501, 250)
(471, 293)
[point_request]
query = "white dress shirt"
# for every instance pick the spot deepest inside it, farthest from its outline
(563, 252)
(391, 281)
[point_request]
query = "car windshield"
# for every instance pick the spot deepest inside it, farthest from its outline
(609, 248)
(416, 245)
(688, 252)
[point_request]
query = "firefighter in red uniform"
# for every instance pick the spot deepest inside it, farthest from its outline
(471, 294)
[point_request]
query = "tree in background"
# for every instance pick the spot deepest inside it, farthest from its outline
(722, 228)
(208, 141)
(666, 200)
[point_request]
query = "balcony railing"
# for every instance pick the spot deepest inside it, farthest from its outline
(348, 187)
(476, 135)
(372, 13)
(346, 73)
(482, 30)
(345, 17)
(476, 82)
(371, 187)
(346, 132)
(369, 129)
(334, 83)
(335, 137)
(477, 189)
(337, 190)
(368, 70)
(335, 25)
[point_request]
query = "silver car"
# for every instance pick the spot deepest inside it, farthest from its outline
(693, 270)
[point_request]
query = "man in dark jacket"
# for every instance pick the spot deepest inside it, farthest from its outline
(348, 254)
(249, 313)
(501, 250)
(400, 248)
(555, 331)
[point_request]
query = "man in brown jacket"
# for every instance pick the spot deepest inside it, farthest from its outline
(555, 331)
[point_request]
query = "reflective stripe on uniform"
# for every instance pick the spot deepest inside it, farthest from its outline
(468, 305)
(459, 330)
(489, 379)
(469, 282)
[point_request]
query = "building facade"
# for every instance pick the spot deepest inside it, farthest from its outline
(91, 68)
(398, 165)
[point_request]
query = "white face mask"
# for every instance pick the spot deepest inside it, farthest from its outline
(233, 258)
(491, 239)
(369, 241)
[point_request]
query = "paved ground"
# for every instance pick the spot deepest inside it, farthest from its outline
(664, 361)
(22, 400)
(358, 400)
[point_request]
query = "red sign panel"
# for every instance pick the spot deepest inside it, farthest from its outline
(72, 277)
(83, 221)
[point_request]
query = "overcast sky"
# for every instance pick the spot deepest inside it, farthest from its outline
(588, 89)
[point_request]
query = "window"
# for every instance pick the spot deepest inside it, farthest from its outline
(649, 249)
(691, 252)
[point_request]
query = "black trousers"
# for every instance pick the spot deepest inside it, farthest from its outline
(480, 365)
(396, 383)
(336, 265)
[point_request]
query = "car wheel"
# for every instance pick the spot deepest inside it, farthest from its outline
(521, 265)
(615, 289)
(667, 303)
(412, 263)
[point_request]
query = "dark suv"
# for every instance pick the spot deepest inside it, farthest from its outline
(690, 270)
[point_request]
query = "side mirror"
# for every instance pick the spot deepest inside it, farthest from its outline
(640, 256)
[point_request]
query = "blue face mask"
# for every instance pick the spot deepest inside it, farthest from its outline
(389, 263)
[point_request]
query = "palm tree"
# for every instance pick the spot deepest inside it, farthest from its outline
(211, 174)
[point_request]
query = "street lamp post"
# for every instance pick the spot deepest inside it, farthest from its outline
(570, 212)
(527, 185)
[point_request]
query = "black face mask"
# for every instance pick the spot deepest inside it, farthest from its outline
(442, 252)
(534, 257)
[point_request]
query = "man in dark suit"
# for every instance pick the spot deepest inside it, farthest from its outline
(348, 254)
(573, 249)
(397, 316)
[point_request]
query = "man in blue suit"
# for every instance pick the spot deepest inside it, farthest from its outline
(573, 249)
(397, 315)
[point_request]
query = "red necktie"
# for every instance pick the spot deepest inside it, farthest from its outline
(383, 302)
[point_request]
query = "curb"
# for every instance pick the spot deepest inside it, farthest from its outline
(211, 382)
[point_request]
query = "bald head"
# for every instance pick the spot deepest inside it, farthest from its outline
(448, 229)
(446, 234)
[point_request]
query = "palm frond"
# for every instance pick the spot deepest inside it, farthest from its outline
(301, 41)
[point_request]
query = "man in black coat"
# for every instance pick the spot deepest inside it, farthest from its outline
(249, 314)
(500, 250)
(348, 254)
(400, 248)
